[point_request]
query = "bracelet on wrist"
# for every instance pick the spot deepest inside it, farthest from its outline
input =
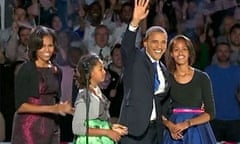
(189, 123)
(135, 26)
(164, 118)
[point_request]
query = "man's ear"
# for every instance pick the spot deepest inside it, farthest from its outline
(144, 43)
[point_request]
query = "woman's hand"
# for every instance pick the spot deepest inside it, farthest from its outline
(180, 127)
(177, 136)
(170, 125)
(174, 129)
(65, 108)
(113, 135)
(122, 130)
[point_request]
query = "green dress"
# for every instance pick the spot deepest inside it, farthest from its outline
(95, 123)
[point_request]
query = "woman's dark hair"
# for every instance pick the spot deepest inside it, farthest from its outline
(235, 26)
(35, 41)
(171, 64)
(52, 17)
(22, 28)
(84, 68)
(116, 46)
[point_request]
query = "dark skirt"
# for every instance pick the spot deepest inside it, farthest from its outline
(198, 134)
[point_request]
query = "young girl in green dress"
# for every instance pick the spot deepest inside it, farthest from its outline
(91, 118)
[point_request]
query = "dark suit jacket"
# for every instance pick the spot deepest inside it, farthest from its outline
(138, 79)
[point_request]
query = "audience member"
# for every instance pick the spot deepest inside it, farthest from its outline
(225, 79)
(62, 59)
(111, 11)
(92, 19)
(125, 16)
(69, 89)
(114, 90)
(101, 46)
(224, 28)
(202, 37)
(19, 16)
(56, 23)
(75, 53)
(234, 41)
(17, 50)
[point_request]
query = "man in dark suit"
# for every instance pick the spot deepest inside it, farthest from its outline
(142, 104)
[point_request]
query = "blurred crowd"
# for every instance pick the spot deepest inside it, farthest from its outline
(97, 26)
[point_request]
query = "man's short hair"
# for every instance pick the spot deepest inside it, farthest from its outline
(154, 29)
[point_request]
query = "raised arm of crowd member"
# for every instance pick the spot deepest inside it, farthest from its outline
(12, 43)
(16, 49)
(37, 92)
(191, 95)
(19, 15)
(145, 80)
